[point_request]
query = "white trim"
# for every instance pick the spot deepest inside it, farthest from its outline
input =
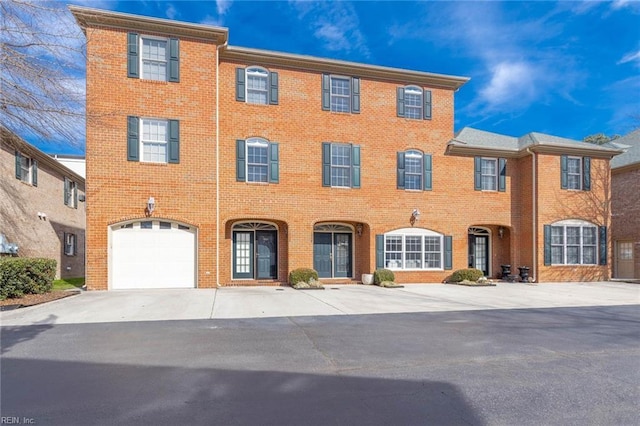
(413, 232)
(141, 39)
(246, 84)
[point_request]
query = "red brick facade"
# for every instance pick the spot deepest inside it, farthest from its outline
(202, 190)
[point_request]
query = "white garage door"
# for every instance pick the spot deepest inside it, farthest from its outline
(153, 254)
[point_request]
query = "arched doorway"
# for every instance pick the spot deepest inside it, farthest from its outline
(479, 249)
(255, 250)
(333, 250)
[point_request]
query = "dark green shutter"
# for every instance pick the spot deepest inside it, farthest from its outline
(133, 61)
(133, 144)
(427, 104)
(326, 164)
(586, 173)
(240, 89)
(547, 245)
(400, 169)
(174, 60)
(34, 172)
(274, 167)
(564, 172)
(174, 141)
(477, 173)
(65, 238)
(379, 251)
(502, 177)
(326, 92)
(273, 88)
(355, 95)
(18, 165)
(448, 252)
(602, 245)
(400, 101)
(75, 196)
(75, 244)
(428, 171)
(241, 165)
(66, 191)
(355, 166)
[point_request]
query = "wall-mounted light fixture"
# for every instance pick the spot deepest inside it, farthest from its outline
(359, 229)
(151, 205)
(415, 215)
(500, 232)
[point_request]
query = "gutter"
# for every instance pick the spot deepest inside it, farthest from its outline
(534, 223)
(218, 48)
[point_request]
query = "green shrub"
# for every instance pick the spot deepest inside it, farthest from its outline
(302, 275)
(21, 275)
(470, 274)
(382, 275)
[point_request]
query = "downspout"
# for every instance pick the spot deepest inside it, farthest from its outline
(533, 213)
(218, 48)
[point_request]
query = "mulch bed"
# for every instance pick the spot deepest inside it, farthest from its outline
(35, 299)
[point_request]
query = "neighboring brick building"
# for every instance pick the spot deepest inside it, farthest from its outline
(255, 163)
(42, 207)
(625, 207)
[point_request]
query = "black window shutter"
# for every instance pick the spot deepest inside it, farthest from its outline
(273, 88)
(547, 245)
(602, 245)
(133, 62)
(66, 191)
(400, 169)
(240, 83)
(379, 251)
(326, 92)
(326, 164)
(174, 141)
(18, 165)
(133, 145)
(400, 101)
(428, 171)
(477, 172)
(355, 166)
(75, 196)
(34, 172)
(427, 104)
(564, 172)
(586, 173)
(75, 244)
(174, 60)
(355, 95)
(241, 165)
(65, 238)
(502, 177)
(448, 252)
(274, 167)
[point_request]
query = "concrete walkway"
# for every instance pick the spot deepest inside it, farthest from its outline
(263, 302)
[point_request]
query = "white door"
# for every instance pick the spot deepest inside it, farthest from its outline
(152, 254)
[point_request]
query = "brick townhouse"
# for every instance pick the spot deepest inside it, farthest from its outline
(209, 164)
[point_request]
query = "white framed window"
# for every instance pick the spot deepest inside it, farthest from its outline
(413, 102)
(340, 94)
(412, 248)
(257, 160)
(489, 172)
(154, 140)
(70, 193)
(154, 58)
(69, 244)
(574, 173)
(341, 165)
(26, 167)
(413, 170)
(257, 85)
(574, 243)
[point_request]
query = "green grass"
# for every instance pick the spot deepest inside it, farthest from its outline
(68, 283)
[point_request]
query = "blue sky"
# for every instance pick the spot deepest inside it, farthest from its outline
(569, 69)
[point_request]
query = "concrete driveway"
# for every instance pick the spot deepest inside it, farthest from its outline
(262, 302)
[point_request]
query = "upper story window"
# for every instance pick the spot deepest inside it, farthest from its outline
(413, 102)
(575, 173)
(257, 161)
(414, 171)
(340, 165)
(574, 242)
(159, 58)
(256, 85)
(153, 140)
(490, 174)
(70, 193)
(26, 169)
(70, 244)
(340, 94)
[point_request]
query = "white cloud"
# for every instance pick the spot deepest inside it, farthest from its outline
(510, 81)
(222, 6)
(630, 57)
(619, 4)
(211, 20)
(171, 11)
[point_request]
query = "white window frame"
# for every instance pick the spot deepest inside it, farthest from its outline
(26, 169)
(335, 95)
(579, 174)
(418, 92)
(414, 154)
(71, 193)
(258, 143)
(143, 141)
(494, 177)
(564, 244)
(348, 167)
(143, 59)
(402, 234)
(69, 244)
(257, 71)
